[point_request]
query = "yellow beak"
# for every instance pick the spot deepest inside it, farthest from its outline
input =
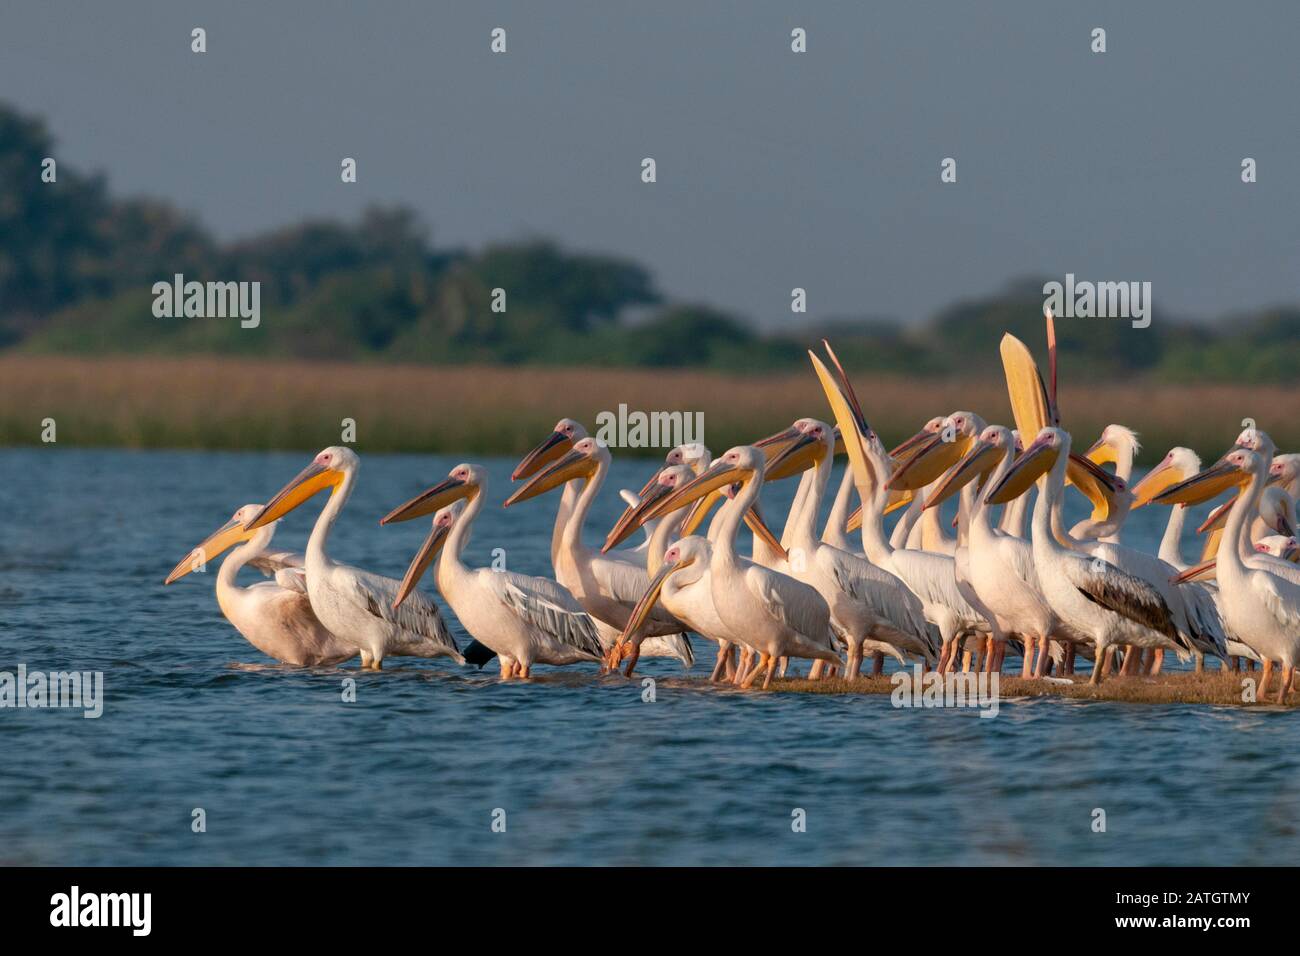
(573, 465)
(716, 476)
(216, 544)
(647, 602)
(633, 517)
(1201, 487)
(929, 462)
(420, 563)
(430, 500)
(798, 456)
(555, 445)
(1160, 478)
(754, 521)
(310, 480)
(980, 460)
(1036, 461)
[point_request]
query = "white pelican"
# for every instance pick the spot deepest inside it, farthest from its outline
(931, 577)
(771, 612)
(607, 586)
(274, 616)
(356, 604)
(525, 620)
(1118, 445)
(1257, 604)
(1091, 596)
(1001, 566)
(871, 610)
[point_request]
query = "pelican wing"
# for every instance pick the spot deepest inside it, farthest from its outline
(1122, 593)
(626, 581)
(933, 579)
(292, 579)
(879, 590)
(549, 608)
(1203, 615)
(417, 615)
(1280, 597)
(792, 603)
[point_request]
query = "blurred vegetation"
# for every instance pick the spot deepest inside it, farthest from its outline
(77, 266)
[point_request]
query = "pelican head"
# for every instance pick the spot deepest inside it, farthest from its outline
(1179, 464)
(562, 437)
(463, 481)
(739, 464)
(1285, 471)
(1233, 469)
(992, 445)
(1279, 546)
(219, 542)
(1252, 439)
(666, 481)
(809, 442)
(928, 431)
(1116, 442)
(689, 551)
(1032, 463)
(694, 454)
(443, 521)
(582, 461)
(939, 452)
(327, 470)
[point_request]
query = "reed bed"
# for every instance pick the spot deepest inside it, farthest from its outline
(240, 403)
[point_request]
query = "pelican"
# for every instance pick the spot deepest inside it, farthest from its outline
(607, 586)
(1001, 566)
(1256, 602)
(1117, 445)
(931, 577)
(525, 620)
(1091, 596)
(350, 602)
(870, 608)
(274, 616)
(771, 612)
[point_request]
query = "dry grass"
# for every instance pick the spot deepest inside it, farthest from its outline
(1210, 687)
(210, 402)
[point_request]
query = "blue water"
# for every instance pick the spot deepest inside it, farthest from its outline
(412, 772)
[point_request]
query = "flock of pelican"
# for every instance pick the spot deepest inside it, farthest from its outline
(1011, 577)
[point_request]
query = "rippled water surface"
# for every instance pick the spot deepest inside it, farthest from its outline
(412, 772)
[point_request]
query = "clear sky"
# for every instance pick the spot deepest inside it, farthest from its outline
(775, 169)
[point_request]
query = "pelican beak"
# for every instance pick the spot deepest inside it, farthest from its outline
(420, 563)
(313, 478)
(1285, 525)
(1218, 518)
(647, 602)
(429, 501)
(1036, 460)
(633, 518)
(556, 444)
(903, 451)
(1197, 572)
(928, 463)
(775, 445)
(216, 544)
(894, 501)
(980, 460)
(716, 476)
(1292, 551)
(754, 519)
(839, 441)
(798, 456)
(1201, 487)
(1158, 479)
(573, 465)
(857, 434)
(700, 512)
(1030, 404)
(1101, 453)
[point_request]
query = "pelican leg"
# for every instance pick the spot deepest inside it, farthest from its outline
(1264, 678)
(1040, 666)
(748, 682)
(742, 669)
(877, 664)
(815, 672)
(1200, 663)
(1027, 661)
(785, 663)
(729, 672)
(965, 662)
(1101, 664)
(853, 666)
(525, 670)
(724, 652)
(507, 668)
(771, 666)
(1158, 660)
(1284, 684)
(366, 659)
